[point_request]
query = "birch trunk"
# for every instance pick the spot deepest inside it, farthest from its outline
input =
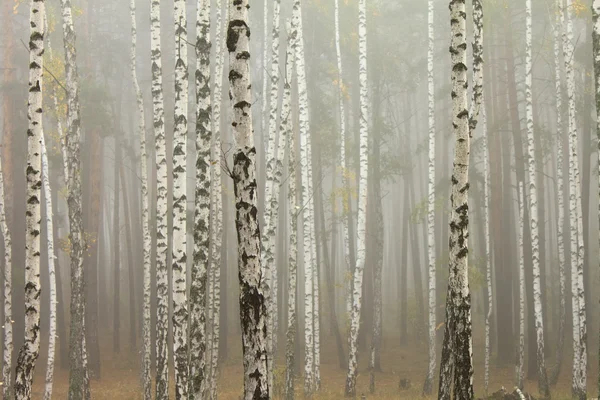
(287, 124)
(146, 239)
(31, 347)
(533, 205)
(362, 202)
(488, 256)
(198, 377)
(520, 370)
(51, 273)
(560, 190)
(428, 385)
(78, 378)
(576, 225)
(180, 307)
(253, 305)
(162, 296)
(457, 352)
(8, 322)
(273, 177)
(116, 251)
(596, 51)
(305, 203)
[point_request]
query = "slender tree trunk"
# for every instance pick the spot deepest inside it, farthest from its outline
(428, 385)
(488, 258)
(146, 239)
(577, 249)
(180, 306)
(31, 346)
(403, 273)
(162, 298)
(51, 273)
(287, 124)
(520, 370)
(533, 205)
(253, 305)
(596, 52)
(559, 188)
(117, 251)
(362, 203)
(198, 378)
(7, 324)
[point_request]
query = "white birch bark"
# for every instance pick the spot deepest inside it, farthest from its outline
(252, 299)
(488, 257)
(344, 173)
(362, 201)
(162, 291)
(428, 385)
(457, 352)
(8, 321)
(146, 240)
(520, 368)
(51, 274)
(533, 206)
(305, 202)
(273, 177)
(198, 376)
(78, 378)
(287, 124)
(596, 51)
(180, 306)
(31, 346)
(576, 226)
(560, 189)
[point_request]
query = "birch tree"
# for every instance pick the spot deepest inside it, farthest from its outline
(576, 224)
(202, 203)
(8, 322)
(31, 347)
(362, 202)
(180, 308)
(596, 52)
(252, 299)
(520, 369)
(51, 273)
(146, 239)
(162, 297)
(488, 258)
(558, 27)
(533, 206)
(457, 351)
(428, 385)
(287, 124)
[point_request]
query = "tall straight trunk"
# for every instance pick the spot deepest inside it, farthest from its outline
(146, 239)
(129, 220)
(273, 177)
(457, 352)
(428, 385)
(403, 273)
(162, 290)
(7, 324)
(488, 256)
(305, 204)
(253, 305)
(31, 347)
(362, 202)
(596, 53)
(198, 379)
(346, 198)
(533, 207)
(78, 378)
(577, 249)
(116, 251)
(559, 19)
(180, 306)
(520, 369)
(51, 274)
(415, 253)
(287, 124)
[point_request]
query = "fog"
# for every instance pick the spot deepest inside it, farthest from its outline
(398, 312)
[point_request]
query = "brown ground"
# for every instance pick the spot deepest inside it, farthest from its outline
(120, 378)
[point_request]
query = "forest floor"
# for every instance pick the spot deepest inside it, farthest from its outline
(120, 376)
